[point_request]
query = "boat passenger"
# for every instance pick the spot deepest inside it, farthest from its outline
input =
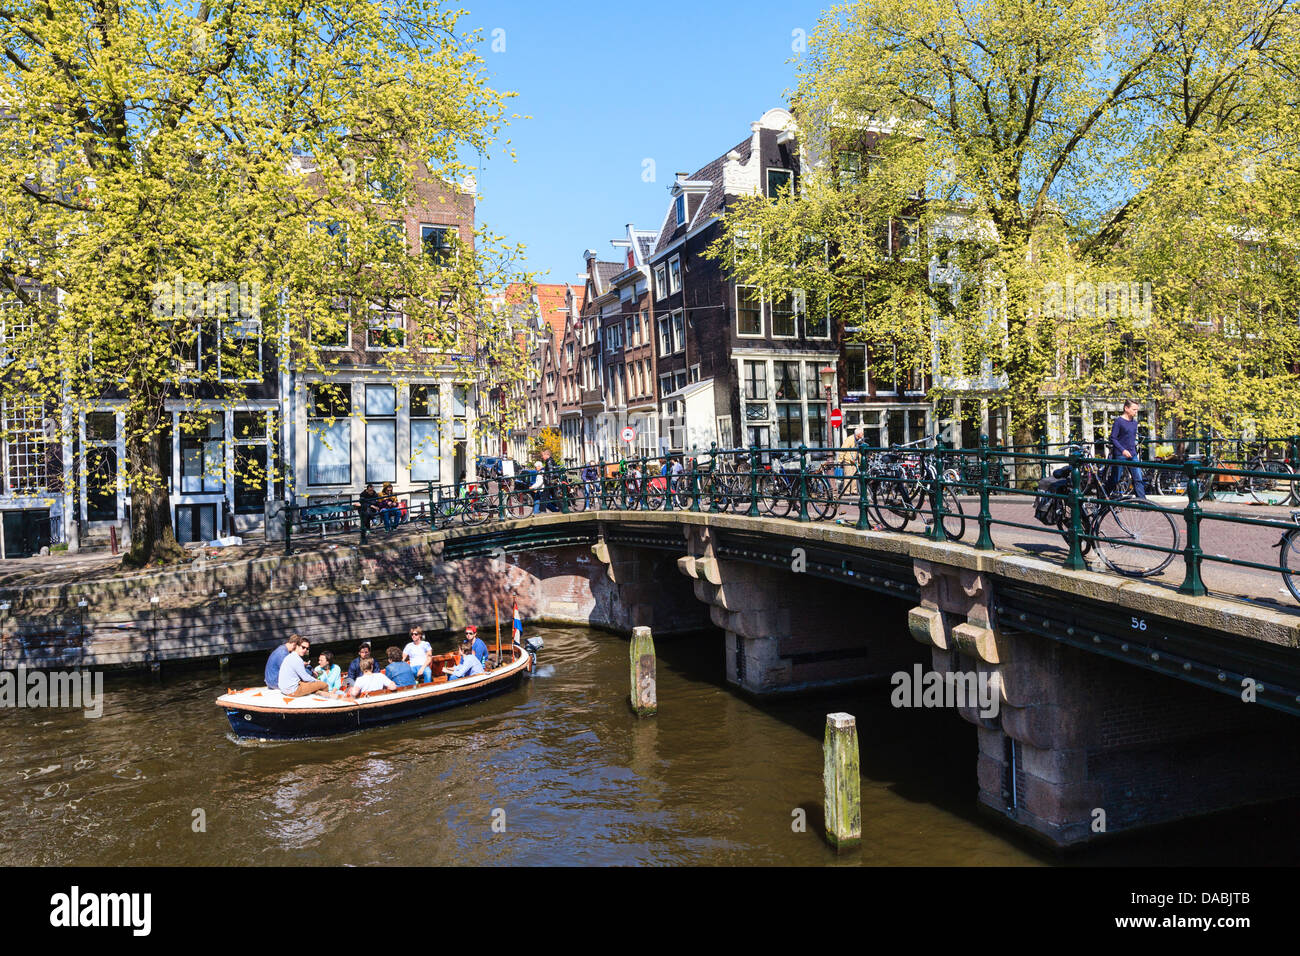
(480, 649)
(354, 669)
(370, 679)
(469, 664)
(398, 671)
(295, 679)
(328, 671)
(277, 657)
(419, 654)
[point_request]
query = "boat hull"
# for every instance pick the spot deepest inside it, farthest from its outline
(286, 723)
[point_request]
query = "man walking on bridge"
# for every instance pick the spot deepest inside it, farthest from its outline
(1123, 436)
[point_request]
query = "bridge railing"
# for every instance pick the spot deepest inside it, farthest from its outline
(1044, 498)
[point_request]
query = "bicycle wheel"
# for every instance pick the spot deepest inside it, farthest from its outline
(1126, 537)
(654, 499)
(954, 519)
(1291, 562)
(774, 495)
(1276, 490)
(475, 509)
(577, 500)
(519, 504)
(821, 497)
(892, 506)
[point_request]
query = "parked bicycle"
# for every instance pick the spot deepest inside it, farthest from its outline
(1132, 538)
(1290, 558)
(900, 487)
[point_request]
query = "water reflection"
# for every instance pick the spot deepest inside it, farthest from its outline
(562, 768)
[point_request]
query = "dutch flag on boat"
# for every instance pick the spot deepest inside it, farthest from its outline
(518, 627)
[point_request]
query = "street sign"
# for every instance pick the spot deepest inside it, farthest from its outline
(629, 433)
(837, 418)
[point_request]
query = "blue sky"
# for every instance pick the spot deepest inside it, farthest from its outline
(610, 86)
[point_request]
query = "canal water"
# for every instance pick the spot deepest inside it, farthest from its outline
(558, 772)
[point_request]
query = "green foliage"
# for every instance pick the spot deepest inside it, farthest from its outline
(1145, 146)
(248, 156)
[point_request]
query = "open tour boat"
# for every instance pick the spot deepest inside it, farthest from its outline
(265, 714)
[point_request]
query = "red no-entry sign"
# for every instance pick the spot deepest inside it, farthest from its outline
(837, 418)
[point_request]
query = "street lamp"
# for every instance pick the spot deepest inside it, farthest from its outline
(827, 375)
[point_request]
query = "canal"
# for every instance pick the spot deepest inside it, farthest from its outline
(559, 772)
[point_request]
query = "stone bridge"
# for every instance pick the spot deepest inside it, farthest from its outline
(1117, 703)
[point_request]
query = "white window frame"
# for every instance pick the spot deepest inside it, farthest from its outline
(679, 330)
(767, 180)
(794, 313)
(347, 333)
(396, 320)
(221, 334)
(661, 281)
(443, 227)
(674, 275)
(762, 320)
(679, 209)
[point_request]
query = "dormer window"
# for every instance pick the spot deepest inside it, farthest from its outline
(679, 206)
(777, 180)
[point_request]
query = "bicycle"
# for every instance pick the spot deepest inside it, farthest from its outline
(1136, 541)
(900, 490)
(471, 505)
(1290, 557)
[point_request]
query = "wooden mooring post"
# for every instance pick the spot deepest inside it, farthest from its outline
(642, 657)
(843, 782)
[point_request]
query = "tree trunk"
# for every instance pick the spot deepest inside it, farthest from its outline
(153, 541)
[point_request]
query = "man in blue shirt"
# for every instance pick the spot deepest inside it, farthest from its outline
(398, 671)
(354, 669)
(1123, 435)
(469, 664)
(272, 671)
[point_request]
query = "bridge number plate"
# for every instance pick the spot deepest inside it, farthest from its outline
(1139, 623)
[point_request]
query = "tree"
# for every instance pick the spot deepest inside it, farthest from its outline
(186, 175)
(547, 439)
(1028, 147)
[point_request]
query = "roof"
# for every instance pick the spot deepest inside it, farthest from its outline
(552, 299)
(712, 202)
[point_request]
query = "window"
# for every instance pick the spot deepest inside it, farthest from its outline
(203, 457)
(614, 338)
(334, 331)
(631, 323)
(785, 310)
(855, 369)
(15, 321)
(329, 435)
(381, 433)
(252, 444)
(460, 402)
(724, 432)
(693, 374)
(849, 168)
(240, 354)
(26, 456)
(816, 316)
(749, 311)
(385, 330)
(674, 275)
(661, 284)
(665, 335)
(679, 331)
(679, 209)
(438, 243)
(385, 184)
(754, 383)
(778, 180)
(789, 424)
(905, 232)
(390, 241)
(787, 381)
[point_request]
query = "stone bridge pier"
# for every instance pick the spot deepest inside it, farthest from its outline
(787, 632)
(1083, 745)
